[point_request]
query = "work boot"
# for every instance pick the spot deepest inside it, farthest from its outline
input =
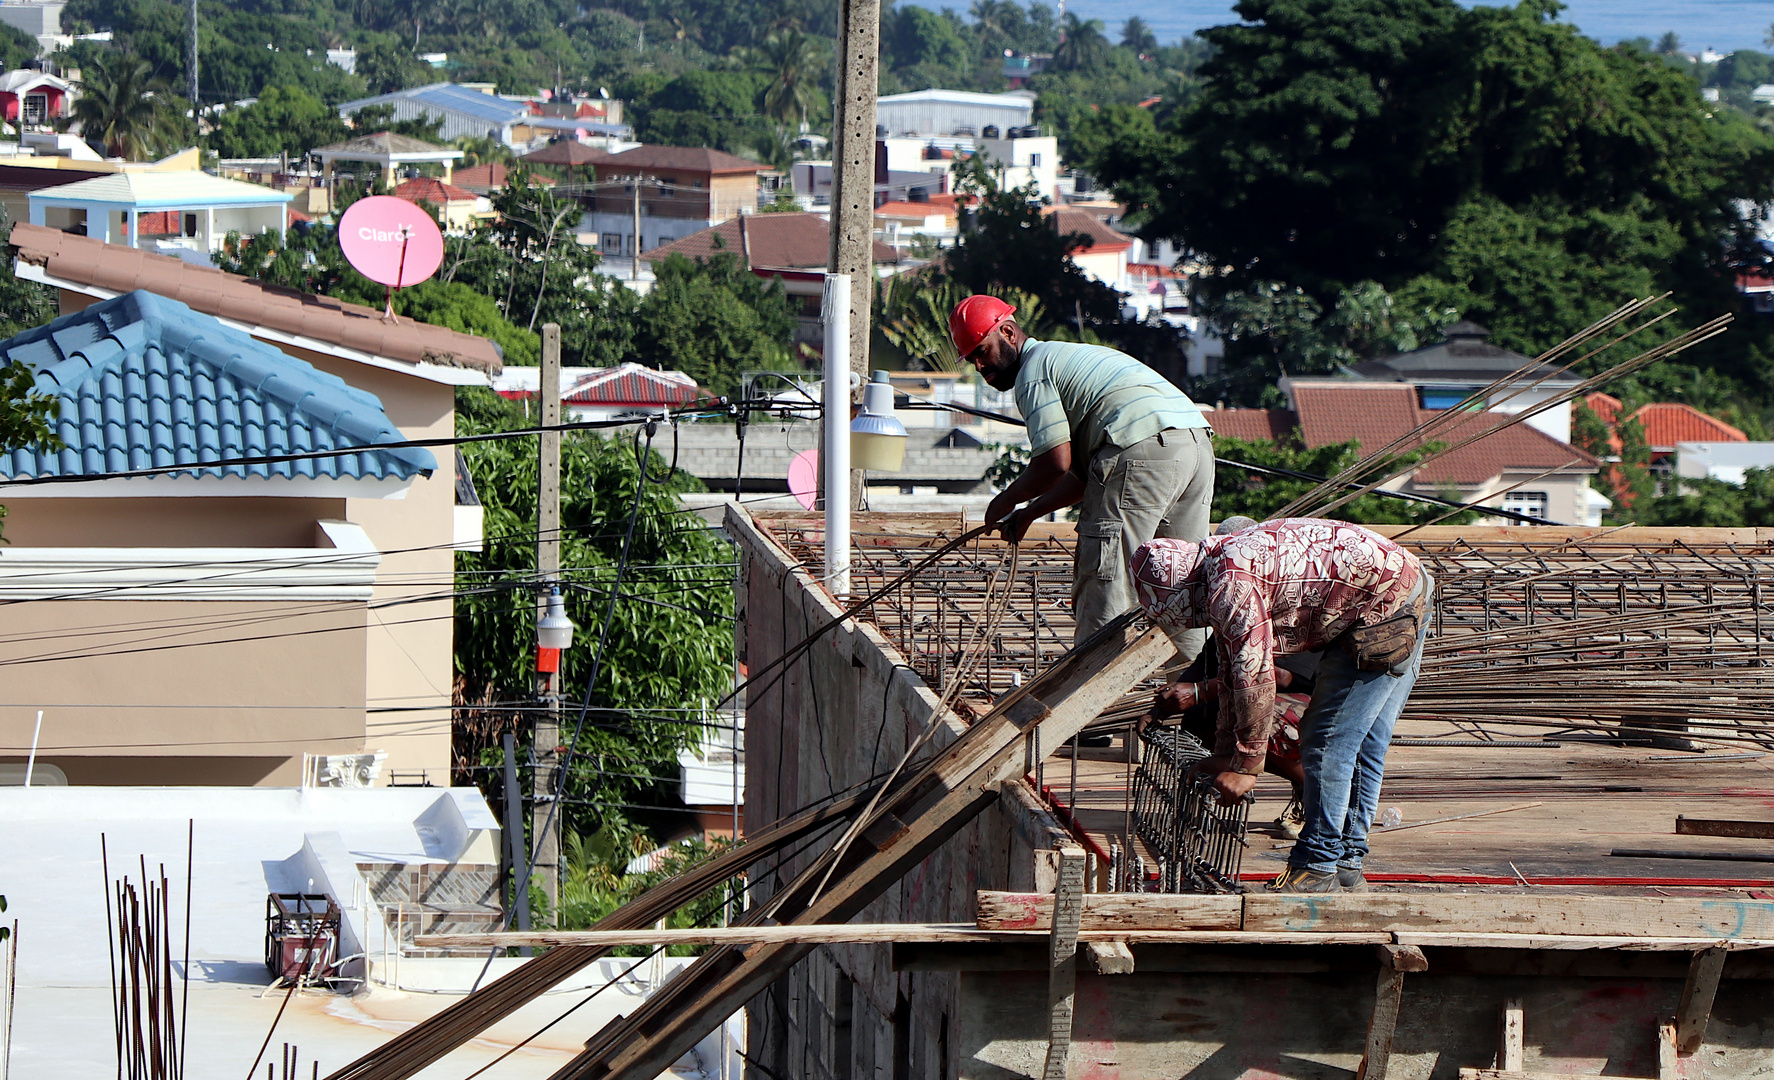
(1297, 879)
(1351, 879)
(1292, 819)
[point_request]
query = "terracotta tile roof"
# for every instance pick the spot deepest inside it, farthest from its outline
(1103, 239)
(918, 210)
(632, 384)
(776, 241)
(491, 177)
(1374, 414)
(115, 268)
(1606, 406)
(1667, 423)
(1253, 425)
(682, 158)
(426, 189)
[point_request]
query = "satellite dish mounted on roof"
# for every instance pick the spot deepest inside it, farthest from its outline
(392, 242)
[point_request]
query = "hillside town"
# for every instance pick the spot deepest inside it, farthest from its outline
(654, 538)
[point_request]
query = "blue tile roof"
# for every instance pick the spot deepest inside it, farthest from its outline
(146, 382)
(446, 95)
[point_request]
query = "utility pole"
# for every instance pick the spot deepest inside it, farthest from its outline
(635, 270)
(545, 782)
(853, 179)
(196, 106)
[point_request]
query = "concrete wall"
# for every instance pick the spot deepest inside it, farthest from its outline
(182, 692)
(410, 659)
(844, 713)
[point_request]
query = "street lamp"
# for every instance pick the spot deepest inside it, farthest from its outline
(554, 632)
(877, 438)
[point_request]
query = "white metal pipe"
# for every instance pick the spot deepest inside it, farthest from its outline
(835, 459)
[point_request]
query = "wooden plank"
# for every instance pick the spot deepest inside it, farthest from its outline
(1702, 984)
(864, 933)
(1536, 913)
(1109, 957)
(1376, 1059)
(1749, 830)
(1668, 1067)
(1062, 960)
(1403, 958)
(1501, 1074)
(1512, 1039)
(1438, 939)
(1107, 911)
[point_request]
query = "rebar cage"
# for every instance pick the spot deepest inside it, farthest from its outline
(1199, 844)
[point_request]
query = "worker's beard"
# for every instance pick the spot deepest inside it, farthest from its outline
(1002, 374)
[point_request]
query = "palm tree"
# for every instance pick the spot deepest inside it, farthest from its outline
(1082, 43)
(795, 59)
(124, 108)
(993, 18)
(1138, 37)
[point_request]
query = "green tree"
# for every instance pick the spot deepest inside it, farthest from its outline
(1709, 503)
(1670, 44)
(1488, 160)
(387, 65)
(712, 319)
(1082, 45)
(283, 120)
(795, 64)
(676, 587)
(1137, 37)
(125, 109)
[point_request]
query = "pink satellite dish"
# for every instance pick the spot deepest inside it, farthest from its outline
(391, 241)
(803, 478)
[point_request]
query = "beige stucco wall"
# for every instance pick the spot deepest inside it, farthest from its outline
(181, 692)
(411, 664)
(166, 522)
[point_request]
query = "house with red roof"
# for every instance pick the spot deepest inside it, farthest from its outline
(681, 190)
(1666, 424)
(1517, 468)
(1101, 252)
(612, 393)
(490, 177)
(456, 209)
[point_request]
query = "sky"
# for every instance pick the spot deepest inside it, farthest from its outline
(1725, 25)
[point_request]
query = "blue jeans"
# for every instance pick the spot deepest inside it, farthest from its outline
(1343, 740)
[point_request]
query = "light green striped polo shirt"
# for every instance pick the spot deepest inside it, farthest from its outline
(1091, 395)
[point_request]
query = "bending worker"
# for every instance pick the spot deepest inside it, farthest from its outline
(1106, 430)
(1292, 586)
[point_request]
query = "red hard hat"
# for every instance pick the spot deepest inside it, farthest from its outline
(974, 318)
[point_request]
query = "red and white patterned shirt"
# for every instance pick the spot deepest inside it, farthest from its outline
(1281, 587)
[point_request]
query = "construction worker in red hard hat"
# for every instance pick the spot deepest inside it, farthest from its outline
(1105, 430)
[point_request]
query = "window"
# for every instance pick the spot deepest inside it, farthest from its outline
(1034, 161)
(612, 243)
(1534, 504)
(1446, 397)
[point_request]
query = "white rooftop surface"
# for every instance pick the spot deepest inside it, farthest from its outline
(143, 190)
(247, 841)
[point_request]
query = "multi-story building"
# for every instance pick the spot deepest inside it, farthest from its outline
(669, 191)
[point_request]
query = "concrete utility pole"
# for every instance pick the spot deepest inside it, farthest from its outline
(544, 817)
(853, 177)
(196, 106)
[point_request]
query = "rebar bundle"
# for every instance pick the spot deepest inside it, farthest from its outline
(1198, 843)
(147, 1007)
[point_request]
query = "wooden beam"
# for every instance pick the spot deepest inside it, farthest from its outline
(1110, 957)
(1403, 958)
(1536, 913)
(1512, 1037)
(1704, 971)
(864, 933)
(1108, 911)
(1376, 1058)
(1668, 1067)
(1062, 960)
(1425, 939)
(1500, 1074)
(1749, 830)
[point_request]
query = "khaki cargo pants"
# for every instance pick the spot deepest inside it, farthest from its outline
(1161, 486)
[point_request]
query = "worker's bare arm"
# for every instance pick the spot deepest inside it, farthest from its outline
(1047, 484)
